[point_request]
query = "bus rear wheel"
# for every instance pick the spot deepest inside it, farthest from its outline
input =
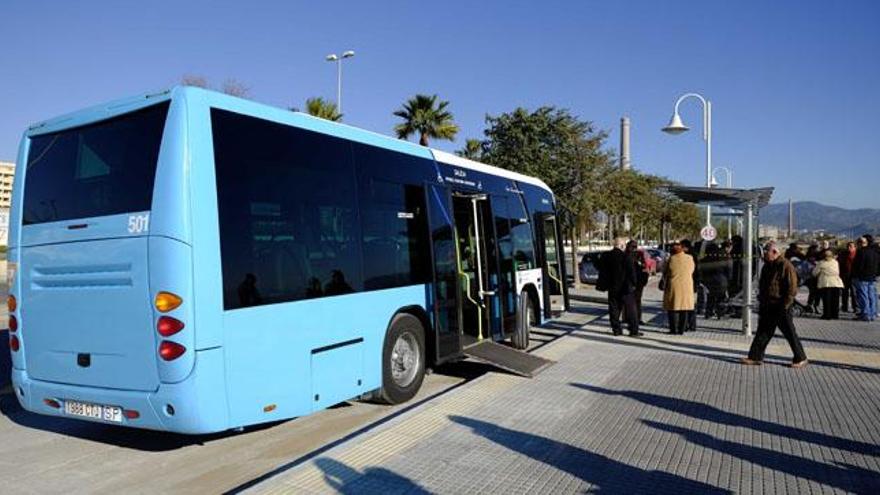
(403, 359)
(525, 316)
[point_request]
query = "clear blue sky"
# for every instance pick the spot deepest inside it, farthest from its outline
(795, 84)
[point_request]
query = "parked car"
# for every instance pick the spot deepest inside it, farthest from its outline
(588, 268)
(660, 257)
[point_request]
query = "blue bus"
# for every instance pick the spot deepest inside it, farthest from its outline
(194, 262)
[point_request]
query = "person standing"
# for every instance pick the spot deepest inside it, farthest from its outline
(621, 278)
(827, 273)
(777, 288)
(642, 276)
(864, 274)
(678, 289)
(845, 262)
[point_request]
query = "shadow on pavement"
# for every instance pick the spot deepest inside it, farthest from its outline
(345, 479)
(706, 412)
(120, 436)
(5, 359)
(850, 478)
(606, 474)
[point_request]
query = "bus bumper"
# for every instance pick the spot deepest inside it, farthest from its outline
(197, 404)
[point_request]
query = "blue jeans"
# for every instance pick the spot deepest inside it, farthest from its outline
(866, 293)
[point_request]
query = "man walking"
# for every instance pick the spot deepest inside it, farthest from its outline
(865, 268)
(776, 291)
(621, 278)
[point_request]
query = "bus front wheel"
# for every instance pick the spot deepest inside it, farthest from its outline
(403, 359)
(524, 319)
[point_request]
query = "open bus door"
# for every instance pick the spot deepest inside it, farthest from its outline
(445, 294)
(554, 276)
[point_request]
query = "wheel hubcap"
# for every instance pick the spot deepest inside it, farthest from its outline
(405, 359)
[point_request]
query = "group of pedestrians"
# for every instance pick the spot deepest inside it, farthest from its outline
(836, 279)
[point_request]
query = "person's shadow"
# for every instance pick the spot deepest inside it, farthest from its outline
(602, 472)
(845, 477)
(345, 479)
(706, 412)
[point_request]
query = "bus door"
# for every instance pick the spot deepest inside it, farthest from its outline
(445, 294)
(553, 287)
(478, 268)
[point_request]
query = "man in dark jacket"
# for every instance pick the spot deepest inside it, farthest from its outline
(865, 269)
(776, 291)
(622, 279)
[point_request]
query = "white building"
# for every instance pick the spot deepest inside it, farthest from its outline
(7, 174)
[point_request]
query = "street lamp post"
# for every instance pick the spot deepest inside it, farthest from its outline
(714, 183)
(676, 126)
(334, 58)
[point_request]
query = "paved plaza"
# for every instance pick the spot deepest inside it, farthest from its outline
(658, 414)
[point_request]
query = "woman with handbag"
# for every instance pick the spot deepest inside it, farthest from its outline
(678, 289)
(829, 285)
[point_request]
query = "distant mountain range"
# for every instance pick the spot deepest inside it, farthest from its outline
(809, 215)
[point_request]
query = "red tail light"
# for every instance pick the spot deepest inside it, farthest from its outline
(170, 351)
(13, 323)
(14, 344)
(52, 403)
(168, 326)
(11, 303)
(131, 414)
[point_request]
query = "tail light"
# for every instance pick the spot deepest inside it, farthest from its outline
(131, 414)
(168, 326)
(166, 301)
(14, 344)
(11, 303)
(52, 403)
(170, 351)
(13, 323)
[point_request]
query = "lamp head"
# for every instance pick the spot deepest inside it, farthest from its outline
(332, 57)
(348, 54)
(675, 126)
(713, 183)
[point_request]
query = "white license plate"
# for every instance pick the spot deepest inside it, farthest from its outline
(93, 411)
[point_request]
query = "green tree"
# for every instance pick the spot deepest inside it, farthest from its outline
(565, 152)
(473, 150)
(323, 109)
(426, 116)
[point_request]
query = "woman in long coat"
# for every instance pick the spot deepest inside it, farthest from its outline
(678, 289)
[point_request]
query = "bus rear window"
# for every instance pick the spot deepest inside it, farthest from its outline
(100, 169)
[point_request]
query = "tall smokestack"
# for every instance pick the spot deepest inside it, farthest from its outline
(790, 219)
(624, 143)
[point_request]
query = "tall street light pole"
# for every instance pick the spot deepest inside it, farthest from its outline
(729, 174)
(676, 126)
(334, 58)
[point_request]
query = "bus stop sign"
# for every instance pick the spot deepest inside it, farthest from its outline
(708, 233)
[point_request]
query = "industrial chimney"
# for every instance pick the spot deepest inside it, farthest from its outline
(624, 144)
(790, 219)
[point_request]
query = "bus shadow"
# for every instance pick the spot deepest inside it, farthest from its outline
(119, 436)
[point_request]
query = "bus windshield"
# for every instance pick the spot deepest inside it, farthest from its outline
(104, 168)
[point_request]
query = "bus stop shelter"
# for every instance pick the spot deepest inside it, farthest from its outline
(743, 204)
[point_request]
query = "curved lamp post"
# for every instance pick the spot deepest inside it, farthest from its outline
(334, 58)
(676, 126)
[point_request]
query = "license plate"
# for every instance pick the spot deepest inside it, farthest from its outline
(93, 411)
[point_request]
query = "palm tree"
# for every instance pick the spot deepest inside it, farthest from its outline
(473, 150)
(323, 109)
(425, 116)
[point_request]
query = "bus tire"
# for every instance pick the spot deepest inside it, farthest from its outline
(524, 318)
(403, 359)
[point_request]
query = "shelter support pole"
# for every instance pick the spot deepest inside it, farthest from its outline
(748, 255)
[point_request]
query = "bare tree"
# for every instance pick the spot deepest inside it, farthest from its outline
(194, 80)
(234, 87)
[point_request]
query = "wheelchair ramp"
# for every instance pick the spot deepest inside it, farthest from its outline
(507, 358)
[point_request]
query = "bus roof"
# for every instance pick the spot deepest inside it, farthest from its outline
(116, 107)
